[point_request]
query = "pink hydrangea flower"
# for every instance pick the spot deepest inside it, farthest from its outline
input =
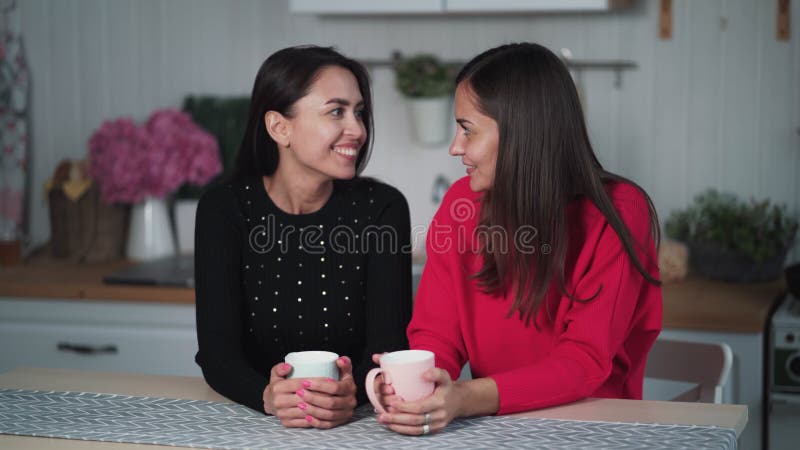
(131, 162)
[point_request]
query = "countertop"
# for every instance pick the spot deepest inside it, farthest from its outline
(193, 388)
(693, 304)
(55, 279)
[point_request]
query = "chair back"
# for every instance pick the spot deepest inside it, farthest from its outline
(706, 364)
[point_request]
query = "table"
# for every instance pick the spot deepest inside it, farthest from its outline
(605, 410)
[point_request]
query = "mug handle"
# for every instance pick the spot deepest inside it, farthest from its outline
(369, 386)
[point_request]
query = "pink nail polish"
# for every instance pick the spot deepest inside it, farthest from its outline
(285, 366)
(300, 392)
(302, 406)
(306, 383)
(308, 419)
(331, 379)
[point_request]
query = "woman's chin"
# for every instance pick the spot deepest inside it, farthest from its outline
(477, 185)
(344, 174)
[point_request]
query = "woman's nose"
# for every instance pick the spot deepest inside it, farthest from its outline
(354, 127)
(455, 147)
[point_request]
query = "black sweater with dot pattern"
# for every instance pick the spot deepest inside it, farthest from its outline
(268, 283)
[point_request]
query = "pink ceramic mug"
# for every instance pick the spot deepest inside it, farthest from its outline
(403, 370)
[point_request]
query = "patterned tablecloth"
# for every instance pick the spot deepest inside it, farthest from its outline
(192, 423)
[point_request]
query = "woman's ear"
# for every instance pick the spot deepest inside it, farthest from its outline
(278, 127)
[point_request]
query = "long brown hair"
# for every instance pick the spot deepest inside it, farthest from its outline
(544, 161)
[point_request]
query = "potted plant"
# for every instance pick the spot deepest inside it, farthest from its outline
(733, 240)
(427, 83)
(142, 164)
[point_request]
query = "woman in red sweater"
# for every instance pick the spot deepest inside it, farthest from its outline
(541, 269)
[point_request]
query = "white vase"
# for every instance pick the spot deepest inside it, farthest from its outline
(430, 119)
(150, 231)
(185, 211)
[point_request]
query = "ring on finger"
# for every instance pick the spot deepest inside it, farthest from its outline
(427, 418)
(426, 429)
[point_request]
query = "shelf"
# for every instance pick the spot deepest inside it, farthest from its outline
(577, 65)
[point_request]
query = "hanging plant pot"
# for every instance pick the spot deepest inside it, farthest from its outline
(713, 261)
(430, 118)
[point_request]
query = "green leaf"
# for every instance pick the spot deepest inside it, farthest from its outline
(757, 229)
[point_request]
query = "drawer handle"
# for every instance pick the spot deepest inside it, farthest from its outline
(84, 349)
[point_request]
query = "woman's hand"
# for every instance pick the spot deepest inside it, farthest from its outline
(280, 398)
(327, 403)
(311, 402)
(386, 395)
(441, 407)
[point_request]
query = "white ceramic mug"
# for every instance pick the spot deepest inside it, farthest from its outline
(312, 364)
(403, 371)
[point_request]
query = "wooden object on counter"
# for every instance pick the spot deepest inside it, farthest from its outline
(57, 279)
(707, 305)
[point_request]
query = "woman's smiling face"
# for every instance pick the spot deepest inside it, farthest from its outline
(476, 139)
(326, 127)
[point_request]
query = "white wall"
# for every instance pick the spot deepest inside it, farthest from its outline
(717, 105)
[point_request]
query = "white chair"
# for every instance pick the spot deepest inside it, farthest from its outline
(707, 365)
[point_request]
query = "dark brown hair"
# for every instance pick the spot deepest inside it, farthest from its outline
(284, 78)
(544, 161)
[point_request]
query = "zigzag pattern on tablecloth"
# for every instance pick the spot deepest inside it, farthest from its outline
(193, 423)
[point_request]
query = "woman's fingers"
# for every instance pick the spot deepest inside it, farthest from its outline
(296, 423)
(386, 389)
(412, 424)
(438, 376)
(324, 424)
(302, 411)
(327, 401)
(279, 372)
(344, 387)
(331, 415)
(286, 386)
(345, 366)
(292, 416)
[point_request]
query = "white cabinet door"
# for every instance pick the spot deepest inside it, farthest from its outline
(105, 336)
(533, 6)
(104, 348)
(366, 6)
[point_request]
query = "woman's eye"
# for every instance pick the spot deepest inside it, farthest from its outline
(337, 112)
(359, 113)
(466, 131)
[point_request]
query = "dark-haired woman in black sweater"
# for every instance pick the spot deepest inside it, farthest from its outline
(296, 251)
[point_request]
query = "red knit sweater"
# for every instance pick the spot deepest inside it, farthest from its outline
(592, 349)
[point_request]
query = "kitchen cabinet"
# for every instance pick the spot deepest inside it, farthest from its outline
(348, 7)
(532, 6)
(95, 335)
(371, 7)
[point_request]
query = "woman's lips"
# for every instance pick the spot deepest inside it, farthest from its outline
(348, 152)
